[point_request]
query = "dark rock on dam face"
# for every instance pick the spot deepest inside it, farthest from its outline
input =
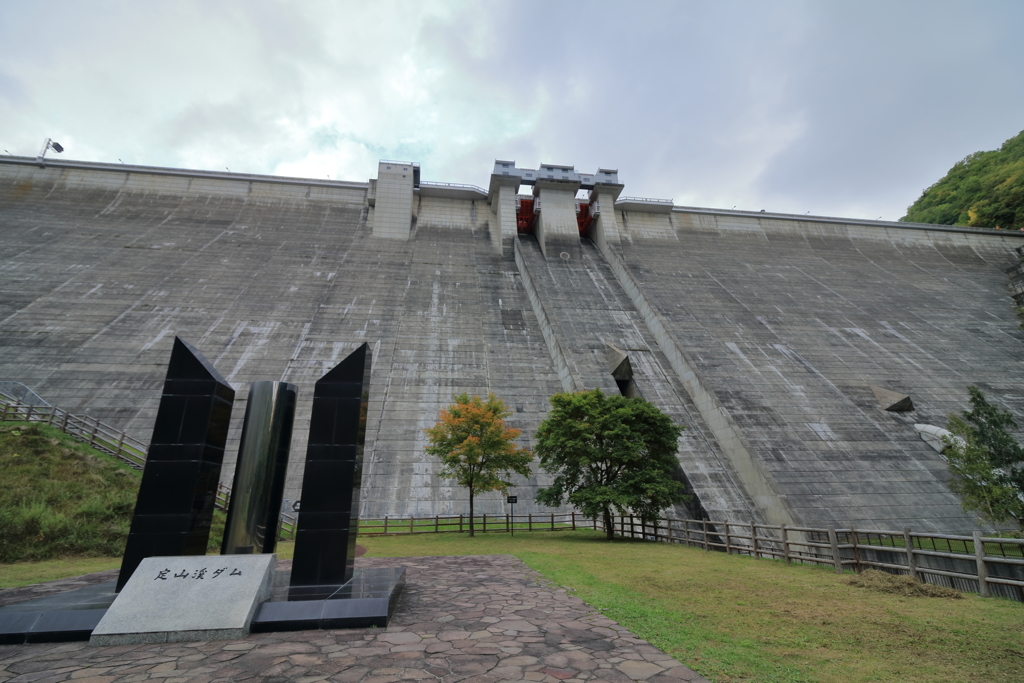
(762, 333)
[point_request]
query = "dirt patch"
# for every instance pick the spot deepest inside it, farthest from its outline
(872, 579)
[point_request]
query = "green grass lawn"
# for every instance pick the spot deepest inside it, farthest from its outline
(736, 618)
(732, 618)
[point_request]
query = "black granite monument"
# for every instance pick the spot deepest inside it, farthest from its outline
(258, 486)
(179, 483)
(328, 520)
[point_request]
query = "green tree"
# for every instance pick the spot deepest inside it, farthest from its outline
(475, 446)
(986, 462)
(609, 453)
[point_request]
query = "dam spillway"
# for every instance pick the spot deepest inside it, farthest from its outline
(762, 333)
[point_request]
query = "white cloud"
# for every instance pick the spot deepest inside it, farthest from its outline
(789, 106)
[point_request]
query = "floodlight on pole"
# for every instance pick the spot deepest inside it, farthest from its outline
(48, 145)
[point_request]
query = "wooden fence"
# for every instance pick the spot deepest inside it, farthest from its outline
(88, 430)
(985, 565)
(109, 440)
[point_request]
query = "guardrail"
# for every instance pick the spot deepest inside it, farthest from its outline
(647, 200)
(461, 186)
(16, 392)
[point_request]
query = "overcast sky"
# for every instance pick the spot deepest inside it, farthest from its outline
(837, 108)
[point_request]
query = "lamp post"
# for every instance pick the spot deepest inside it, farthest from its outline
(48, 145)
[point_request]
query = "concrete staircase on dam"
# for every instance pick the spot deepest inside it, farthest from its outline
(587, 315)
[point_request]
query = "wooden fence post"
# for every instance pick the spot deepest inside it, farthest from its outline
(574, 520)
(706, 545)
(785, 544)
(552, 521)
(411, 518)
(64, 424)
(911, 558)
(484, 525)
(856, 550)
(385, 525)
(92, 437)
(833, 538)
(460, 522)
(753, 538)
(728, 541)
(979, 558)
(28, 416)
(529, 522)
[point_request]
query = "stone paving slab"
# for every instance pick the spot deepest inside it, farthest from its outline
(478, 618)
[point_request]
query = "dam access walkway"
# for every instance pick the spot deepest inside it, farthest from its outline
(477, 618)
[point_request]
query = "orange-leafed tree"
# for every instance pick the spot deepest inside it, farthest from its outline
(475, 446)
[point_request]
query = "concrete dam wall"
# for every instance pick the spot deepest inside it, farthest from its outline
(761, 333)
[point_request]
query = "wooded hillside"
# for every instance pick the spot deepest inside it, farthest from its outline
(985, 190)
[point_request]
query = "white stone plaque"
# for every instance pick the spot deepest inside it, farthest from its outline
(195, 597)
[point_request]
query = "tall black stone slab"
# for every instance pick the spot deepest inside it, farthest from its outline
(179, 483)
(325, 538)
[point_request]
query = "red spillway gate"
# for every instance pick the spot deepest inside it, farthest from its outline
(583, 218)
(526, 219)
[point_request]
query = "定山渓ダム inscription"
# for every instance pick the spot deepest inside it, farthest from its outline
(175, 599)
(199, 574)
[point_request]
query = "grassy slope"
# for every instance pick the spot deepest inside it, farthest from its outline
(62, 499)
(59, 497)
(741, 619)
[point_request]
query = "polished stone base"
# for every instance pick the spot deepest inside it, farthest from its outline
(62, 617)
(367, 600)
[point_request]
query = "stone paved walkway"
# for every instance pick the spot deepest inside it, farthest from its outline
(478, 618)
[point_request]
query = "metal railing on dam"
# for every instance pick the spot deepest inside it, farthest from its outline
(989, 566)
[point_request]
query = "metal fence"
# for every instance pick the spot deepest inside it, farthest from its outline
(16, 392)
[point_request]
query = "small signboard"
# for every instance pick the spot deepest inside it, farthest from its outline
(512, 500)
